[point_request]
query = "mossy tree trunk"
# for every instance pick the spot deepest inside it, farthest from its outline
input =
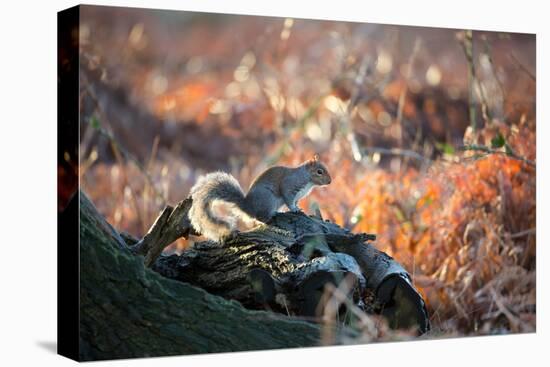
(128, 310)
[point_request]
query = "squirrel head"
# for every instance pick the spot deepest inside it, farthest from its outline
(317, 171)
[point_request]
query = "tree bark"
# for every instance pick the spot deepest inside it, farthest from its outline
(265, 268)
(287, 266)
(127, 310)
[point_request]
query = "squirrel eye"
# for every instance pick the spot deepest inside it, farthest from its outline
(319, 171)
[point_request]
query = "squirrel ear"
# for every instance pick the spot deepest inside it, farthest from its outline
(313, 160)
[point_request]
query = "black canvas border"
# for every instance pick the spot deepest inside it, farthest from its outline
(68, 262)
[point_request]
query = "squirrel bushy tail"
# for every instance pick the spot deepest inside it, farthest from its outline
(208, 189)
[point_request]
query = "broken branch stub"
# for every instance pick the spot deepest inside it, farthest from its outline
(171, 224)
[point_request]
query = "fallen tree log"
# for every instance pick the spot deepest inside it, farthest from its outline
(127, 310)
(286, 265)
(289, 266)
(260, 269)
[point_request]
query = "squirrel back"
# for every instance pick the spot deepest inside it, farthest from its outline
(275, 187)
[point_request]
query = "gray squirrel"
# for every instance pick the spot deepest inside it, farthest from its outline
(275, 187)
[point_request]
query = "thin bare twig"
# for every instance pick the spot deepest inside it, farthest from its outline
(408, 74)
(509, 153)
(524, 233)
(354, 99)
(488, 52)
(513, 320)
(523, 67)
(467, 43)
(398, 152)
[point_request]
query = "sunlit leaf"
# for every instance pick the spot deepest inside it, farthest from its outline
(446, 148)
(94, 122)
(498, 141)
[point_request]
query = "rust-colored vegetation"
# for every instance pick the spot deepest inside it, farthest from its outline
(169, 96)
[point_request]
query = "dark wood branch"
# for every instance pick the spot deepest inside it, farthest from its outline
(401, 303)
(286, 265)
(170, 225)
(291, 278)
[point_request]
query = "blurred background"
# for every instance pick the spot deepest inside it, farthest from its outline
(429, 135)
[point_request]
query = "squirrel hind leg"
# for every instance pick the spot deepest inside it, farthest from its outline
(251, 221)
